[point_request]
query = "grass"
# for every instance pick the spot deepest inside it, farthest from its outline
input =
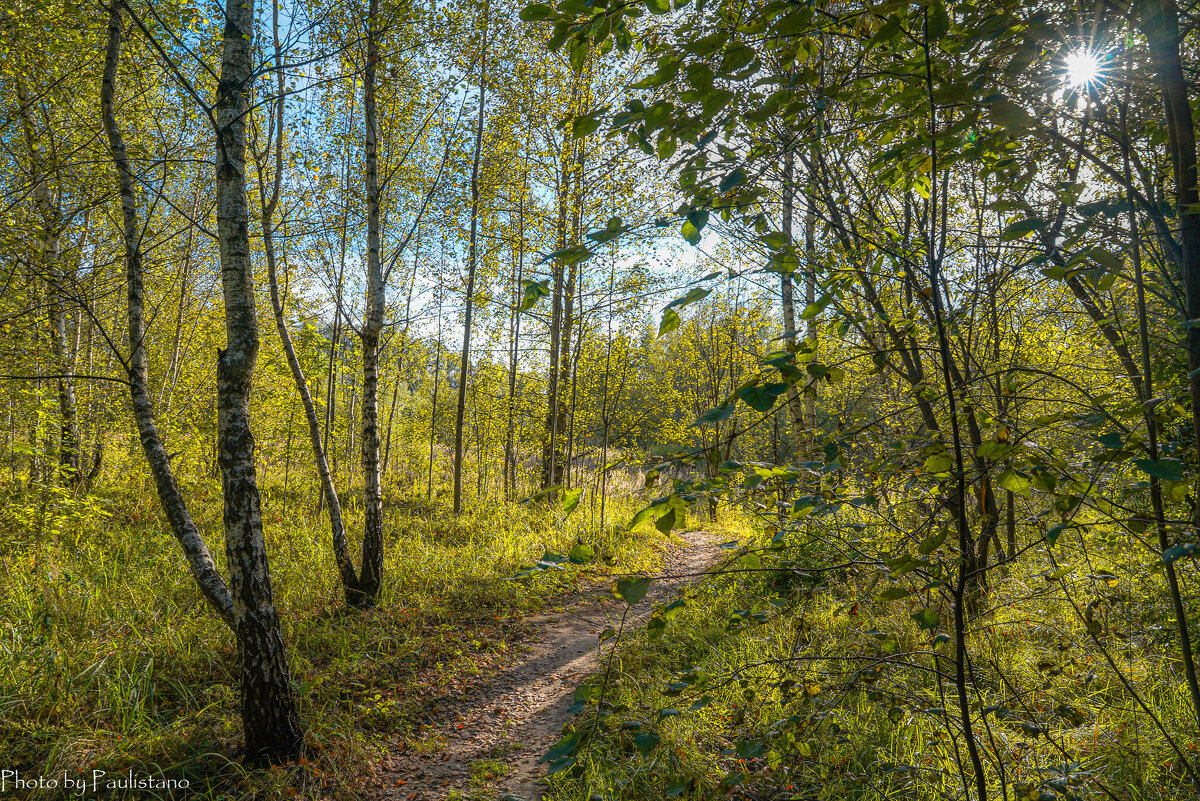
(109, 659)
(763, 684)
(771, 685)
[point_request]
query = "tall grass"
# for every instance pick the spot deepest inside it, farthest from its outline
(777, 685)
(110, 659)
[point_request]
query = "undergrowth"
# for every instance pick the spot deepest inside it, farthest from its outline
(773, 681)
(111, 661)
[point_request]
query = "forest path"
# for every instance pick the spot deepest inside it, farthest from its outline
(513, 716)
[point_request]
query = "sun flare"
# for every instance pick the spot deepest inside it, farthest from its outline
(1082, 69)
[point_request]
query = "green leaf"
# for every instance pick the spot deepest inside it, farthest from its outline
(1163, 469)
(1022, 227)
(931, 543)
(939, 463)
(536, 11)
(582, 126)
(677, 787)
(694, 294)
(927, 619)
(658, 6)
(715, 415)
(690, 232)
(578, 51)
(581, 554)
(632, 589)
(1176, 552)
(666, 522)
(534, 291)
(749, 749)
(571, 255)
(563, 748)
(646, 742)
(1010, 116)
(894, 594)
(939, 22)
(761, 397)
(570, 499)
(670, 321)
(1014, 482)
(816, 307)
(733, 179)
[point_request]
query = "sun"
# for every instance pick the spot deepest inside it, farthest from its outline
(1082, 69)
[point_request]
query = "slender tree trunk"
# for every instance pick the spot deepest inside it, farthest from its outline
(510, 455)
(269, 200)
(794, 402)
(200, 561)
(473, 260)
(400, 351)
(551, 469)
(967, 564)
(372, 550)
(335, 338)
(433, 412)
(1162, 29)
(269, 719)
(57, 279)
(810, 328)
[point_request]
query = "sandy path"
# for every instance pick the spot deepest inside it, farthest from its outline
(515, 715)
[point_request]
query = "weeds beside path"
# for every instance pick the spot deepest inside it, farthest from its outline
(491, 738)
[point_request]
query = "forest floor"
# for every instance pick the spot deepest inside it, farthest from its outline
(485, 741)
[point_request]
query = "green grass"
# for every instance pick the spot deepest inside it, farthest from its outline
(765, 686)
(110, 660)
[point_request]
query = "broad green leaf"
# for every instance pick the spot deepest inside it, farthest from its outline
(939, 463)
(534, 291)
(632, 589)
(1010, 116)
(581, 554)
(939, 22)
(1163, 469)
(749, 749)
(536, 11)
(1014, 482)
(570, 499)
(694, 294)
(563, 748)
(670, 321)
(1176, 552)
(732, 180)
(690, 232)
(582, 126)
(666, 522)
(646, 742)
(927, 619)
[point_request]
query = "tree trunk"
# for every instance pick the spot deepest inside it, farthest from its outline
(551, 461)
(269, 719)
(473, 260)
(56, 298)
(794, 402)
(1162, 29)
(372, 550)
(194, 548)
(437, 378)
(269, 200)
(510, 454)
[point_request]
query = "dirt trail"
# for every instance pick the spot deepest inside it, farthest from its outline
(516, 714)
